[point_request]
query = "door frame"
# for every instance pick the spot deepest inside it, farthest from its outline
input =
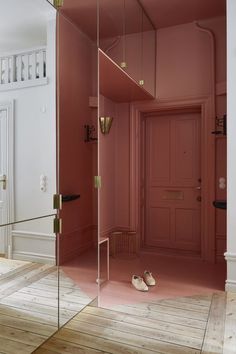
(9, 107)
(207, 113)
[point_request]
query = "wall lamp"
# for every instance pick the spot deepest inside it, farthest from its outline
(105, 124)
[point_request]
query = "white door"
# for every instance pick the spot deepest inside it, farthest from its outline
(6, 175)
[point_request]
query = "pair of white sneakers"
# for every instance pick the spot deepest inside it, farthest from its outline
(142, 284)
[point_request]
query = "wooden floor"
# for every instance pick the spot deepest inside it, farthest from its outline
(187, 325)
(29, 315)
(29, 304)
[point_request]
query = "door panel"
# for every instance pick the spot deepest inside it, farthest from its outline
(172, 182)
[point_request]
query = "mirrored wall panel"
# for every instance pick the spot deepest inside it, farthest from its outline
(28, 285)
(78, 148)
(27, 109)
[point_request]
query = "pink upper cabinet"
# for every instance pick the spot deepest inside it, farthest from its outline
(127, 36)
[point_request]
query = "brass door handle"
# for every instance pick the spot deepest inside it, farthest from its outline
(4, 181)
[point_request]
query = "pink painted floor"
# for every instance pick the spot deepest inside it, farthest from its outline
(175, 277)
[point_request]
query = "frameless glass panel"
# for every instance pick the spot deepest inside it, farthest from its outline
(27, 109)
(77, 123)
(28, 285)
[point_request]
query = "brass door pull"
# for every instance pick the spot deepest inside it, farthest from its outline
(4, 181)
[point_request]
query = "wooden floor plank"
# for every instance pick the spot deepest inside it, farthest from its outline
(28, 314)
(16, 271)
(183, 305)
(21, 336)
(27, 325)
(24, 280)
(56, 345)
(37, 308)
(51, 302)
(161, 316)
(173, 311)
(130, 338)
(213, 341)
(13, 347)
(146, 322)
(145, 332)
(230, 325)
(100, 343)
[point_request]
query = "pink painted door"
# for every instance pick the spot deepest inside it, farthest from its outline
(173, 180)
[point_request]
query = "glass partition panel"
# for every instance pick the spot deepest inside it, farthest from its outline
(27, 109)
(28, 285)
(78, 152)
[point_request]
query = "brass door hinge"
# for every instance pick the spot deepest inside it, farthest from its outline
(57, 201)
(97, 182)
(57, 226)
(58, 3)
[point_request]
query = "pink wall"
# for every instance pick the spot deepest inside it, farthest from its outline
(114, 168)
(107, 167)
(184, 62)
(75, 165)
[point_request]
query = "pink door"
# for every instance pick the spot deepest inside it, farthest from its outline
(173, 179)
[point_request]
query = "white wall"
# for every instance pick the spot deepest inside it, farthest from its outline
(35, 155)
(231, 146)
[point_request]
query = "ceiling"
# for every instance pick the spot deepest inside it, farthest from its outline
(165, 13)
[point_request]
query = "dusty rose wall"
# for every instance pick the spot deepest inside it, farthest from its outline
(114, 168)
(75, 166)
(184, 64)
(184, 69)
(107, 167)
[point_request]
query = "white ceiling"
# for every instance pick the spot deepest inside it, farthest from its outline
(23, 23)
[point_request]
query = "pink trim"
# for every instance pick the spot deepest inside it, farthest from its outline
(206, 105)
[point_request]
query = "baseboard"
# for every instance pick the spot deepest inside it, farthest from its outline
(33, 246)
(230, 285)
(229, 256)
(34, 257)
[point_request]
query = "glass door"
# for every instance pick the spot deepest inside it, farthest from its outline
(78, 152)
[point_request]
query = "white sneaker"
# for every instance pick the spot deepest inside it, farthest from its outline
(138, 283)
(148, 278)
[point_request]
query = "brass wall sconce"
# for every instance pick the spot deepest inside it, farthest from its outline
(105, 124)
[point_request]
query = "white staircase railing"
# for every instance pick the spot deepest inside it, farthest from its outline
(23, 66)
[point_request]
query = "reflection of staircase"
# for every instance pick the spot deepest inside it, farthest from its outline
(187, 325)
(23, 69)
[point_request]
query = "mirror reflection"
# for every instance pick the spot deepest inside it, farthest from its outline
(29, 310)
(27, 109)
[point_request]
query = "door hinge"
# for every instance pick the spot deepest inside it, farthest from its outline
(97, 182)
(58, 3)
(57, 226)
(57, 201)
(3, 179)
